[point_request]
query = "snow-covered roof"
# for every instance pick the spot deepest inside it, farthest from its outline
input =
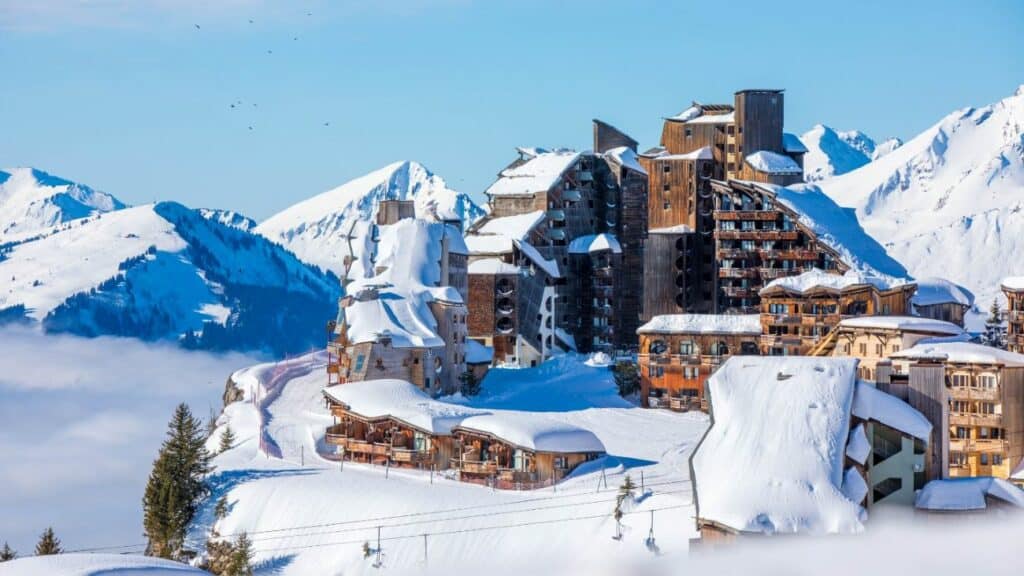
(535, 431)
(87, 564)
(903, 323)
(496, 244)
(932, 291)
(773, 459)
(859, 447)
(749, 324)
(550, 267)
(477, 353)
(627, 158)
(792, 143)
(538, 174)
(1013, 283)
(687, 115)
(677, 229)
(401, 400)
(1018, 473)
(595, 243)
(817, 279)
(516, 227)
(698, 154)
(870, 403)
(492, 266)
(773, 163)
(960, 494)
(961, 353)
(404, 319)
(727, 118)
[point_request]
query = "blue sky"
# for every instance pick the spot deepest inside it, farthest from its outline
(130, 97)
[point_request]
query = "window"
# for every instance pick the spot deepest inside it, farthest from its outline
(959, 406)
(359, 362)
(561, 462)
(895, 347)
(987, 408)
(666, 205)
(747, 225)
(863, 347)
(878, 349)
(962, 432)
(687, 348)
(957, 459)
(984, 459)
(960, 380)
(727, 225)
(666, 168)
(778, 309)
(997, 459)
(987, 381)
(689, 132)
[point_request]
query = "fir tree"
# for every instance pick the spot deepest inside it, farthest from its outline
(227, 439)
(219, 556)
(995, 333)
(220, 511)
(176, 485)
(241, 559)
(627, 377)
(48, 544)
(6, 553)
(470, 384)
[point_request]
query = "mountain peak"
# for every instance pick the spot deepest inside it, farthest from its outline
(32, 200)
(831, 152)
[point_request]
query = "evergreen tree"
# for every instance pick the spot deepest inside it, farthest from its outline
(176, 485)
(219, 556)
(48, 544)
(627, 377)
(7, 554)
(470, 384)
(220, 511)
(227, 439)
(995, 332)
(241, 559)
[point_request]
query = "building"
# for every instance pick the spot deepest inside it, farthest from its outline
(678, 352)
(974, 397)
(983, 496)
(799, 445)
(873, 339)
(547, 208)
(941, 299)
(1014, 290)
(798, 312)
(520, 450)
(408, 321)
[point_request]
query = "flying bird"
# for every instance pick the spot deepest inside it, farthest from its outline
(197, 26)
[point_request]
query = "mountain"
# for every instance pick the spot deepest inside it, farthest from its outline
(32, 200)
(164, 271)
(885, 146)
(229, 218)
(831, 152)
(949, 202)
(316, 229)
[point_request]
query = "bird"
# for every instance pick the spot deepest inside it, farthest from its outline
(197, 26)
(327, 123)
(250, 127)
(270, 51)
(250, 20)
(232, 105)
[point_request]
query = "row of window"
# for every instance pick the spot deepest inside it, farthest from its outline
(985, 381)
(983, 433)
(959, 459)
(968, 407)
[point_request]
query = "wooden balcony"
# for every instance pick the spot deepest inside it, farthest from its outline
(820, 319)
(784, 320)
(482, 467)
(739, 292)
(757, 234)
(405, 455)
(763, 215)
(970, 393)
(773, 273)
(738, 273)
(788, 254)
(985, 445)
(571, 195)
(734, 254)
(961, 419)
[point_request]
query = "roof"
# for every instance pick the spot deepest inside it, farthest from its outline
(627, 158)
(515, 227)
(933, 291)
(1013, 283)
(537, 174)
(727, 118)
(550, 267)
(477, 353)
(494, 244)
(903, 323)
(677, 229)
(773, 459)
(406, 320)
(791, 143)
(698, 154)
(534, 431)
(93, 564)
(870, 403)
(817, 279)
(595, 243)
(492, 266)
(773, 163)
(749, 324)
(401, 400)
(961, 353)
(961, 494)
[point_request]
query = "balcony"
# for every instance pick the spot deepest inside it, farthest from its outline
(757, 234)
(556, 234)
(773, 273)
(738, 273)
(586, 176)
(986, 445)
(571, 195)
(739, 292)
(762, 215)
(734, 254)
(961, 419)
(788, 254)
(483, 467)
(556, 215)
(783, 320)
(405, 455)
(969, 393)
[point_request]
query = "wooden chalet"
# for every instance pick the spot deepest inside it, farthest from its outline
(1013, 288)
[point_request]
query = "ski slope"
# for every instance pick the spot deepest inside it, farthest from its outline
(307, 514)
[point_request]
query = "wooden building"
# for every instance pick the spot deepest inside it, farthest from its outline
(798, 312)
(492, 306)
(1013, 288)
(974, 397)
(941, 299)
(679, 352)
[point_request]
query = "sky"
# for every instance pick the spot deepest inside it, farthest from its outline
(188, 100)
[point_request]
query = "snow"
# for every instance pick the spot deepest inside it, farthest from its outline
(677, 229)
(772, 461)
(96, 565)
(885, 146)
(947, 203)
(859, 447)
(1018, 473)
(903, 323)
(959, 494)
(854, 486)
(773, 163)
(401, 400)
(550, 267)
(838, 228)
(703, 153)
(727, 118)
(595, 243)
(749, 324)
(627, 158)
(477, 353)
(536, 432)
(688, 114)
(792, 143)
(831, 153)
(516, 227)
(317, 229)
(817, 279)
(870, 403)
(489, 244)
(229, 218)
(32, 201)
(321, 513)
(537, 174)
(932, 291)
(492, 266)
(1013, 282)
(961, 353)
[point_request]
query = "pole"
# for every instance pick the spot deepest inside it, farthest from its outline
(302, 456)
(641, 482)
(431, 481)
(424, 549)
(378, 546)
(387, 468)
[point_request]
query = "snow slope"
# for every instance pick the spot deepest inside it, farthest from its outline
(161, 271)
(32, 200)
(950, 202)
(316, 229)
(97, 565)
(832, 152)
(309, 515)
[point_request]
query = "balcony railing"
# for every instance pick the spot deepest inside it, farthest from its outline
(556, 215)
(411, 456)
(969, 393)
(739, 292)
(572, 195)
(746, 214)
(788, 254)
(757, 234)
(734, 254)
(485, 467)
(738, 273)
(961, 419)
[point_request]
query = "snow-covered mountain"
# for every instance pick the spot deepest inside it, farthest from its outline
(950, 202)
(229, 218)
(831, 152)
(165, 271)
(316, 229)
(31, 200)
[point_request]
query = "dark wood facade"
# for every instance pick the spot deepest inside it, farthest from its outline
(1014, 319)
